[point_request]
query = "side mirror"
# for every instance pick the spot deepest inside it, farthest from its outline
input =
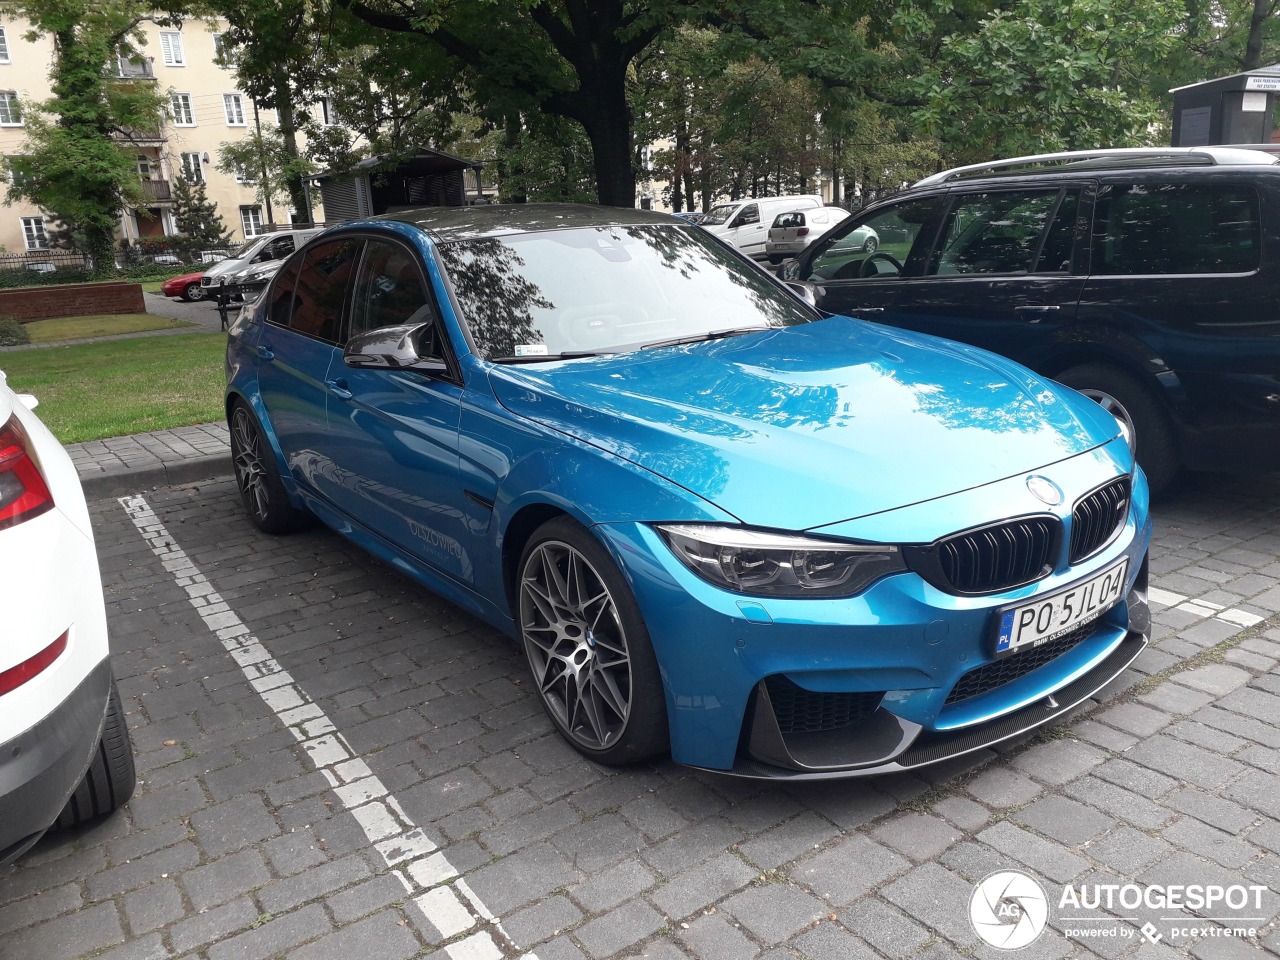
(410, 347)
(805, 291)
(790, 269)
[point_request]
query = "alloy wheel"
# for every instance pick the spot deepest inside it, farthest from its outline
(576, 645)
(248, 462)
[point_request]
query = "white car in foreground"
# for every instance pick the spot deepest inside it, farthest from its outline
(65, 753)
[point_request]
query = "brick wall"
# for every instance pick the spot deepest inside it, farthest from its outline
(71, 300)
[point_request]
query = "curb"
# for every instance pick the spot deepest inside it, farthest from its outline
(119, 480)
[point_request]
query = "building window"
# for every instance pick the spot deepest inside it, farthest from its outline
(329, 112)
(171, 49)
(251, 221)
(223, 54)
(243, 175)
(144, 166)
(4, 45)
(180, 107)
(233, 104)
(33, 233)
(193, 167)
(10, 112)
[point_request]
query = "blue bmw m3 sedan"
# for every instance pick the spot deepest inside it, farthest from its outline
(719, 522)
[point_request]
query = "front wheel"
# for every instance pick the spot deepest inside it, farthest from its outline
(588, 648)
(1139, 413)
(192, 292)
(871, 245)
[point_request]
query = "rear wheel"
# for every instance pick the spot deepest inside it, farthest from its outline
(588, 649)
(193, 292)
(1138, 410)
(263, 494)
(871, 245)
(110, 779)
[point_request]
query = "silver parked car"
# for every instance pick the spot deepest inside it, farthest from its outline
(794, 230)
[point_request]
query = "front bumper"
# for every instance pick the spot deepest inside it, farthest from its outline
(870, 684)
(40, 767)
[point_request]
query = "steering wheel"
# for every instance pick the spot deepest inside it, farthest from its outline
(864, 272)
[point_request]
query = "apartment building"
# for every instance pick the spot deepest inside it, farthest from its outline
(206, 109)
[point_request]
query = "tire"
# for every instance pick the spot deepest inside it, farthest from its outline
(871, 246)
(1126, 398)
(108, 783)
(257, 477)
(592, 662)
(192, 292)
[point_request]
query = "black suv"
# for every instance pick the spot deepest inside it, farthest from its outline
(1148, 279)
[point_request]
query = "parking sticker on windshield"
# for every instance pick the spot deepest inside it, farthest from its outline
(531, 349)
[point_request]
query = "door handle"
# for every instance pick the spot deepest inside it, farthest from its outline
(265, 352)
(338, 388)
(1036, 310)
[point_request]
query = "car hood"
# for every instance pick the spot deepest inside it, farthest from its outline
(809, 425)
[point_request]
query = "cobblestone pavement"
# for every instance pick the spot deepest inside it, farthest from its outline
(431, 796)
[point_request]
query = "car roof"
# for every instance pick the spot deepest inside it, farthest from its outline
(1108, 159)
(446, 224)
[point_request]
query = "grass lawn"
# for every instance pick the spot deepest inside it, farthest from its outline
(98, 325)
(88, 391)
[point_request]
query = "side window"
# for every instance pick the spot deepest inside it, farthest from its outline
(878, 246)
(278, 248)
(389, 290)
(280, 296)
(320, 284)
(748, 214)
(1176, 228)
(992, 233)
(1059, 241)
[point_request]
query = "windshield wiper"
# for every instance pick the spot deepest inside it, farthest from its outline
(699, 337)
(544, 357)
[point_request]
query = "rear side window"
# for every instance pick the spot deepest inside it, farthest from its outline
(1004, 232)
(311, 290)
(1176, 228)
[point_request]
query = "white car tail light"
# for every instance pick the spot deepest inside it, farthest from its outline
(15, 677)
(23, 491)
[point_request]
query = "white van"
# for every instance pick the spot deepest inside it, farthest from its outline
(269, 246)
(745, 223)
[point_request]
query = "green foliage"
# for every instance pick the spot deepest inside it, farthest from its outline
(1042, 75)
(79, 166)
(264, 156)
(197, 220)
(12, 333)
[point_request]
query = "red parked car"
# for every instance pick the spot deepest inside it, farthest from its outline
(186, 286)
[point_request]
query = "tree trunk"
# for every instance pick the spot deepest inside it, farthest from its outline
(289, 136)
(1253, 50)
(610, 134)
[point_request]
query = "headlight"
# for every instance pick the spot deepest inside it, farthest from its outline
(768, 564)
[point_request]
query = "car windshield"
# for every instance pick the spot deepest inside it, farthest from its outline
(608, 290)
(719, 214)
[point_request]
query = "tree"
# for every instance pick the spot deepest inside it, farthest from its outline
(574, 58)
(197, 218)
(273, 45)
(77, 162)
(265, 158)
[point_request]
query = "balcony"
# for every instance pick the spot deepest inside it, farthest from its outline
(142, 138)
(141, 69)
(157, 189)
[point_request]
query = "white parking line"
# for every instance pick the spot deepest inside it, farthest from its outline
(448, 904)
(1202, 608)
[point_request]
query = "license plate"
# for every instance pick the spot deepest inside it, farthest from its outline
(1047, 618)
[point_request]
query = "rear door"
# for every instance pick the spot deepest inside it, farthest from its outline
(297, 345)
